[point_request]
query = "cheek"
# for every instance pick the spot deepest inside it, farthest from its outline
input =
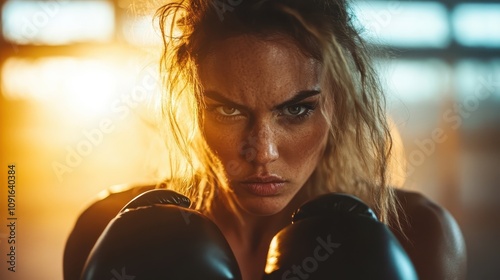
(227, 143)
(300, 147)
(224, 142)
(303, 148)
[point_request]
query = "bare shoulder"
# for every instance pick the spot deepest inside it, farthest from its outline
(434, 240)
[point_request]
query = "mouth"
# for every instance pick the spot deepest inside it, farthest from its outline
(264, 185)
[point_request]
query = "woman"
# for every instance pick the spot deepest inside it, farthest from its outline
(272, 103)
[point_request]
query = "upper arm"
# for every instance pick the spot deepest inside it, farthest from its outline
(89, 226)
(434, 241)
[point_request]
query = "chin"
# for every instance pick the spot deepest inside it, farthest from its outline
(262, 206)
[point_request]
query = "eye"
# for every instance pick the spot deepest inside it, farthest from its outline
(295, 110)
(227, 111)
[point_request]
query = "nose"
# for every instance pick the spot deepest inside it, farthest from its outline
(261, 145)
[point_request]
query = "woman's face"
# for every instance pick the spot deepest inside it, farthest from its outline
(262, 118)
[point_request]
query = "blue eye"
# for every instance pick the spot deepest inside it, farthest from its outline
(299, 112)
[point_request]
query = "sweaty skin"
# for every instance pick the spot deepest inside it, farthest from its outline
(263, 121)
(263, 118)
(252, 126)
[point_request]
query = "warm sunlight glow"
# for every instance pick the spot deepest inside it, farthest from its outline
(272, 256)
(84, 85)
(397, 161)
(142, 31)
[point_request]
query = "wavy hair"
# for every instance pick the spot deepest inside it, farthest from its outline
(359, 142)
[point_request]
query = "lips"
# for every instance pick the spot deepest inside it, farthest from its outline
(263, 185)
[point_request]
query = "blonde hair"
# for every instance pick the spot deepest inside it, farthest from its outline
(359, 142)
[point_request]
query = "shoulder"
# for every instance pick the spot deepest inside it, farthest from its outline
(113, 199)
(92, 222)
(434, 240)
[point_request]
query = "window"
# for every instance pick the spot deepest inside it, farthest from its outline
(57, 22)
(404, 24)
(477, 25)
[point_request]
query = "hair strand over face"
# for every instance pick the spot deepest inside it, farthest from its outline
(359, 142)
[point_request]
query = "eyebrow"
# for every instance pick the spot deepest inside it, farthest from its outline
(301, 95)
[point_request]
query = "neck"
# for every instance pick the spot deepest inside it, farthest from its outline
(248, 235)
(251, 231)
(248, 232)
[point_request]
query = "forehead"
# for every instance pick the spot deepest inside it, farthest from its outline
(248, 68)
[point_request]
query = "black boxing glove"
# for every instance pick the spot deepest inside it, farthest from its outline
(337, 236)
(155, 236)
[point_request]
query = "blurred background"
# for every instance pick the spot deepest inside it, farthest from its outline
(77, 87)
